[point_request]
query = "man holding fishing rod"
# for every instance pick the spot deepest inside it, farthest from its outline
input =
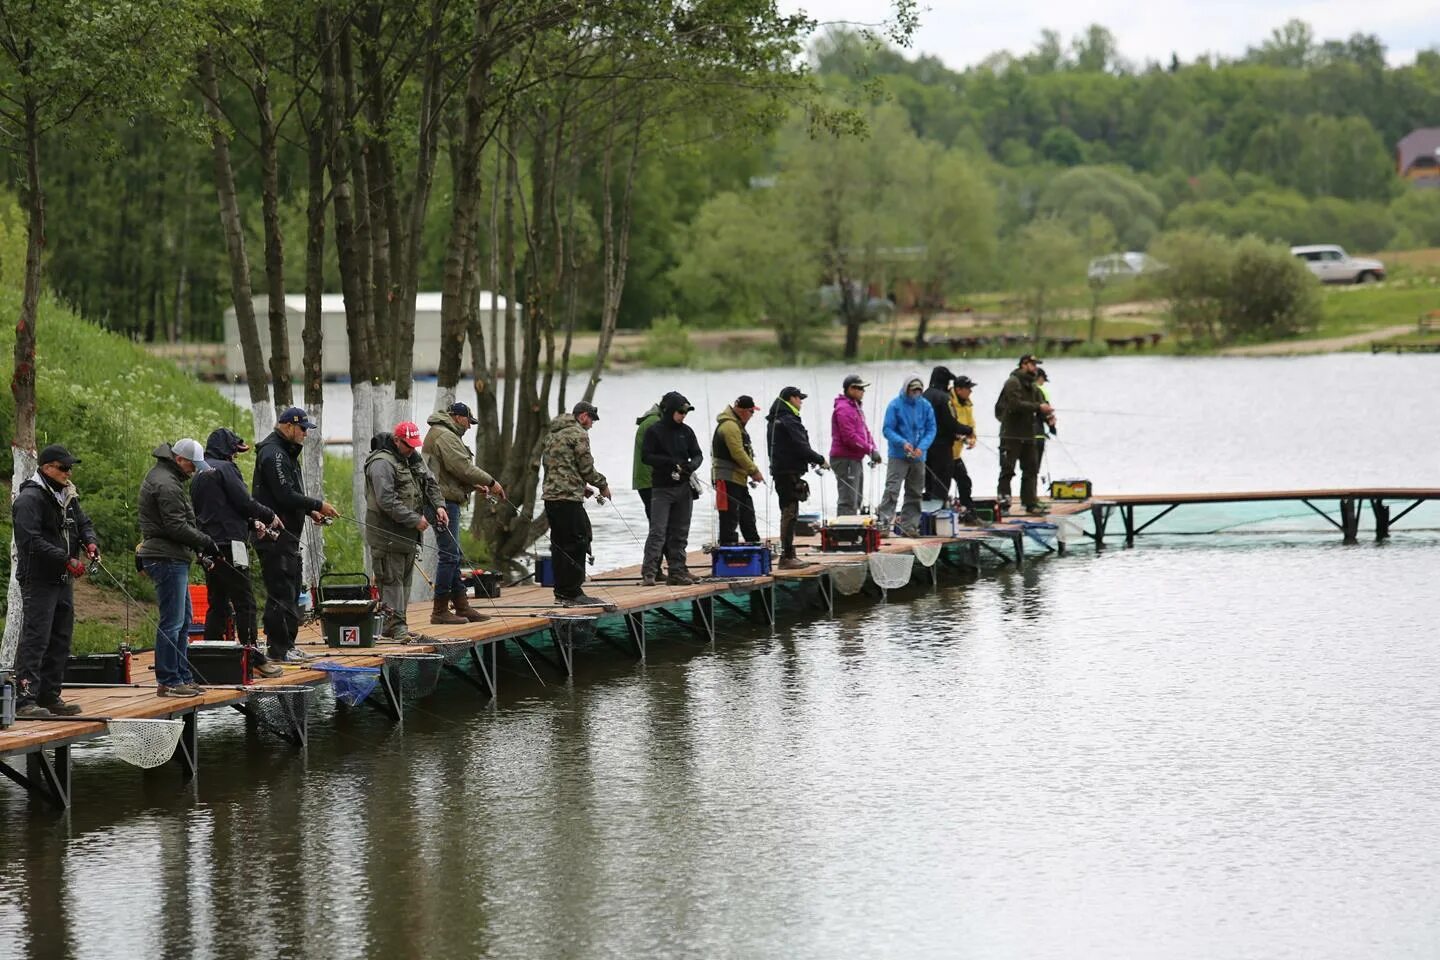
(1019, 405)
(454, 467)
(279, 485)
(569, 475)
(398, 490)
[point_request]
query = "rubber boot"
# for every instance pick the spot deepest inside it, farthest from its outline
(442, 614)
(463, 608)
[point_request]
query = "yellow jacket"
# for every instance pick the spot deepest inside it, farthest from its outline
(965, 413)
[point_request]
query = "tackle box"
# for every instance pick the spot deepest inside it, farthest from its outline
(1070, 489)
(349, 612)
(807, 524)
(988, 509)
(220, 663)
(751, 560)
(858, 534)
(939, 523)
(483, 584)
(99, 667)
(545, 570)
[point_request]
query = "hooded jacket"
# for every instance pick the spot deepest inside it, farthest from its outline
(732, 456)
(788, 440)
(168, 529)
(569, 465)
(224, 509)
(850, 437)
(640, 472)
(1018, 406)
(48, 532)
(397, 491)
(450, 460)
(946, 427)
(669, 447)
(909, 420)
(279, 485)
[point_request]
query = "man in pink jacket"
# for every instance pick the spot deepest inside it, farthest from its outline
(850, 444)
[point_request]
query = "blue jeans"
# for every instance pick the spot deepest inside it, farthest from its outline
(172, 583)
(447, 571)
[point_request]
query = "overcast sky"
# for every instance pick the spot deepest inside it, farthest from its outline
(963, 32)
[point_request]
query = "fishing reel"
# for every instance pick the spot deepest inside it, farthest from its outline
(264, 532)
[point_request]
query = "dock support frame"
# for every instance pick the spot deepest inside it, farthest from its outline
(46, 776)
(482, 670)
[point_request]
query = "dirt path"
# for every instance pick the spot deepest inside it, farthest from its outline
(1328, 345)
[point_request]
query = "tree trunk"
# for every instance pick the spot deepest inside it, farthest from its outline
(261, 411)
(22, 381)
(313, 338)
(280, 372)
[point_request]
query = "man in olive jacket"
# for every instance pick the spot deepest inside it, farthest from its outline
(570, 475)
(453, 465)
(398, 490)
(1019, 403)
(732, 467)
(169, 537)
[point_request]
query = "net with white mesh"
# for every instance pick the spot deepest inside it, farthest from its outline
(848, 579)
(145, 743)
(927, 553)
(891, 570)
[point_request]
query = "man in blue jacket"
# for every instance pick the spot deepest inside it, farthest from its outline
(910, 430)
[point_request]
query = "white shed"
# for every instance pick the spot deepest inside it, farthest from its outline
(336, 348)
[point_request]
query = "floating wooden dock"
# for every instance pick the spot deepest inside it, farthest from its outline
(526, 620)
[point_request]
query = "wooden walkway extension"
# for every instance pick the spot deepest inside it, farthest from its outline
(527, 619)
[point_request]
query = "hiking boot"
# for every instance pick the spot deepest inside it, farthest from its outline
(648, 580)
(682, 579)
(441, 612)
(583, 600)
(183, 690)
(33, 711)
(792, 563)
(463, 608)
(1036, 510)
(62, 709)
(267, 670)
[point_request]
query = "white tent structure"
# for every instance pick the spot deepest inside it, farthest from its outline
(336, 344)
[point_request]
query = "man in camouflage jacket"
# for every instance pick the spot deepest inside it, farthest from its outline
(569, 474)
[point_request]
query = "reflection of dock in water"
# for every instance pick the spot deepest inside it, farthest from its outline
(526, 627)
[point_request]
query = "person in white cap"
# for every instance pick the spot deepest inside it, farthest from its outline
(169, 535)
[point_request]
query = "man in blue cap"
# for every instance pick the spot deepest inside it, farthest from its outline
(279, 485)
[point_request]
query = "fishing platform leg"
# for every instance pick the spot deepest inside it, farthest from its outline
(482, 672)
(702, 616)
(44, 778)
(1382, 519)
(392, 704)
(560, 665)
(1100, 516)
(187, 751)
(635, 627)
(762, 605)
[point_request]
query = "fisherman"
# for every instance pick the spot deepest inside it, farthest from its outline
(963, 410)
(278, 484)
(1016, 408)
(790, 457)
(399, 490)
(733, 466)
(640, 473)
(850, 444)
(910, 430)
(52, 533)
(169, 534)
(227, 514)
(672, 452)
(938, 459)
(570, 475)
(454, 468)
(1044, 422)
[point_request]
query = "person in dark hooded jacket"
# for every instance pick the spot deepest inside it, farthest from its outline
(939, 464)
(790, 457)
(672, 452)
(228, 515)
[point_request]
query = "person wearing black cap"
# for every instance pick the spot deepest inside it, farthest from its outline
(790, 457)
(732, 467)
(454, 467)
(570, 476)
(850, 443)
(279, 484)
(52, 533)
(672, 452)
(963, 410)
(227, 514)
(1017, 407)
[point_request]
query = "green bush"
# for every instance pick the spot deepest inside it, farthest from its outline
(668, 345)
(1193, 283)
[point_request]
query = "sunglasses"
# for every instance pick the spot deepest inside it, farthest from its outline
(63, 468)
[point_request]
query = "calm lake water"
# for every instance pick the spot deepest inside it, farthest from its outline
(1202, 747)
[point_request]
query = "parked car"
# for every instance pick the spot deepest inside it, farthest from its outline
(1333, 265)
(1120, 266)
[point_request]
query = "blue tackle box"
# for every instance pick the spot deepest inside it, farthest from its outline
(746, 561)
(545, 571)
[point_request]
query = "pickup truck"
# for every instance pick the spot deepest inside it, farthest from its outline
(1333, 265)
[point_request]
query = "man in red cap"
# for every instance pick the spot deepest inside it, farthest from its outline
(399, 489)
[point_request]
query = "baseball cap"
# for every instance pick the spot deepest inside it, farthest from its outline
(191, 450)
(789, 392)
(854, 381)
(745, 402)
(584, 406)
(406, 430)
(1027, 358)
(296, 415)
(963, 381)
(57, 454)
(458, 409)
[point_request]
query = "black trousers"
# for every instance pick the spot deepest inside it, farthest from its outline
(49, 622)
(741, 515)
(964, 488)
(280, 572)
(569, 543)
(232, 599)
(1021, 453)
(938, 464)
(785, 488)
(645, 499)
